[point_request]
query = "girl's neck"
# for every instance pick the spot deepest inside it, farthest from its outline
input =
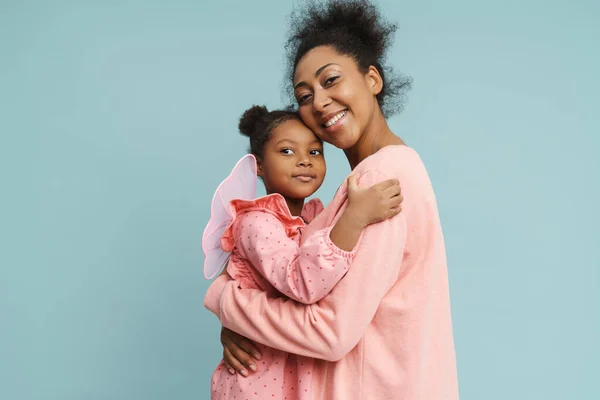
(377, 135)
(294, 205)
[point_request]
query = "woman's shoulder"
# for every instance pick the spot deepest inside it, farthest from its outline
(391, 161)
(400, 162)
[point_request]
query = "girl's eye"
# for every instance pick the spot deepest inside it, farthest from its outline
(316, 152)
(287, 151)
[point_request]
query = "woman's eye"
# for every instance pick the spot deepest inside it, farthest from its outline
(331, 80)
(302, 99)
(287, 151)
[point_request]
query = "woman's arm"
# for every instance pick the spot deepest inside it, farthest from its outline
(307, 273)
(330, 328)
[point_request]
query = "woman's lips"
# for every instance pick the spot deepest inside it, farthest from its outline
(340, 118)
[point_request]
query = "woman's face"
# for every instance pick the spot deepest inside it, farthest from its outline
(335, 100)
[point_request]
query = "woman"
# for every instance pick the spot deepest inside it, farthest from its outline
(384, 331)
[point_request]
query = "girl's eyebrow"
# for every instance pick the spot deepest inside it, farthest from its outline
(285, 140)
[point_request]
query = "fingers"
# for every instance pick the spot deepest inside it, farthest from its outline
(242, 342)
(395, 211)
(396, 201)
(238, 357)
(392, 191)
(383, 185)
(228, 367)
(232, 363)
(394, 206)
(352, 183)
(247, 346)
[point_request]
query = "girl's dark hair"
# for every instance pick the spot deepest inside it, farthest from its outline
(354, 28)
(258, 123)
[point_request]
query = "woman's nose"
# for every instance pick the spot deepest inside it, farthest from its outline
(320, 101)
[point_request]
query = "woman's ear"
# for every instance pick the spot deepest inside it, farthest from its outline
(374, 80)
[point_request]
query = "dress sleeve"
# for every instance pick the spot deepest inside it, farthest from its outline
(303, 273)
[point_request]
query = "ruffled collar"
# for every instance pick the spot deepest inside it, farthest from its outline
(274, 204)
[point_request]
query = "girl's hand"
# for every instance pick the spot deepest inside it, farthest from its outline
(376, 203)
(239, 353)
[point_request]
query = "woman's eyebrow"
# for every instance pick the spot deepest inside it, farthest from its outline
(322, 68)
(299, 84)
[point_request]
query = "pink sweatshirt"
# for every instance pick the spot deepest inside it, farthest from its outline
(264, 241)
(384, 332)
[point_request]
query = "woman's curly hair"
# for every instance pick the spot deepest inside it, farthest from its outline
(354, 28)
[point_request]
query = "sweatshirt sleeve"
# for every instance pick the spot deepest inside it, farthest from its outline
(332, 327)
(306, 273)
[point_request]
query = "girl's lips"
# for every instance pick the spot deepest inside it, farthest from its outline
(304, 178)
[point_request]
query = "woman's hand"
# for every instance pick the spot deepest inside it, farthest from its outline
(239, 353)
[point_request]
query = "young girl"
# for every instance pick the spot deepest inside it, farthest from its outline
(264, 241)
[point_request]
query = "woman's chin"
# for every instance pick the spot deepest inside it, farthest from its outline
(343, 143)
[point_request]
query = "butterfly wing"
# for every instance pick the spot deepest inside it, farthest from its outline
(240, 184)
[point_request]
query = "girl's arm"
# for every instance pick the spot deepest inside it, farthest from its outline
(305, 273)
(365, 206)
(308, 273)
(332, 327)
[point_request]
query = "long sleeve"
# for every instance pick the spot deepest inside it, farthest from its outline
(306, 273)
(330, 328)
(385, 330)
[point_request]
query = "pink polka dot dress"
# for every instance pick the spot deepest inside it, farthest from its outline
(264, 241)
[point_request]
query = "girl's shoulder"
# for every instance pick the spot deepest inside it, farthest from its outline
(272, 204)
(311, 209)
(270, 210)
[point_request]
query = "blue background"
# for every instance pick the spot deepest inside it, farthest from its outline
(118, 120)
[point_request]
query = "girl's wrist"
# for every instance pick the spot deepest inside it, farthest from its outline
(356, 218)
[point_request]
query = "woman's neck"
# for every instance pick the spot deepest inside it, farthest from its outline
(376, 136)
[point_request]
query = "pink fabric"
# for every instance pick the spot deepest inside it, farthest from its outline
(384, 331)
(240, 184)
(265, 254)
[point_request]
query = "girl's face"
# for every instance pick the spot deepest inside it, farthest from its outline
(336, 101)
(292, 164)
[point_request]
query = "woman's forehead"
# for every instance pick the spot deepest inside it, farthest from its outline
(315, 60)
